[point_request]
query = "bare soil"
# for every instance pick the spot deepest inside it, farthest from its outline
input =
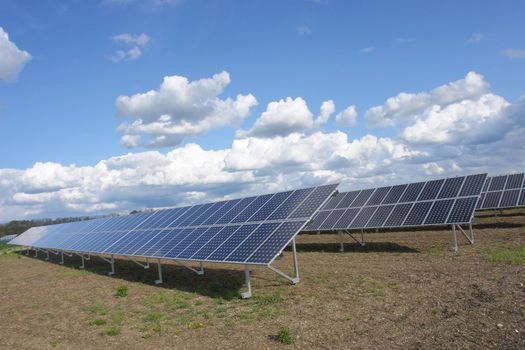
(403, 290)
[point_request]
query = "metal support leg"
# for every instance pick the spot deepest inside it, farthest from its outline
(294, 279)
(47, 254)
(112, 272)
(159, 281)
(248, 293)
(36, 253)
(27, 251)
(198, 272)
(83, 264)
(362, 242)
(61, 258)
(469, 237)
(145, 266)
(341, 244)
(454, 239)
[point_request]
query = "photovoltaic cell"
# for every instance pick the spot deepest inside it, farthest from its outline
(440, 211)
(347, 200)
(417, 215)
(430, 190)
(395, 193)
(380, 216)
(378, 196)
(398, 215)
(497, 183)
(346, 219)
(412, 192)
(462, 210)
(451, 187)
(510, 198)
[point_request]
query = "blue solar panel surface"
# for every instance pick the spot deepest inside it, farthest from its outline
(504, 191)
(435, 202)
(250, 230)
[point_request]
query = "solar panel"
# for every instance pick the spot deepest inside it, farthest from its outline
(435, 202)
(503, 191)
(250, 230)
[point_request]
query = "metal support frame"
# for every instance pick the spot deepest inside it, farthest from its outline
(469, 236)
(295, 279)
(111, 262)
(454, 239)
(159, 265)
(361, 242)
(198, 272)
(145, 266)
(36, 252)
(248, 293)
(47, 254)
(83, 265)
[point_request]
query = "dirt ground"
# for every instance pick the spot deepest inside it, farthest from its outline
(402, 290)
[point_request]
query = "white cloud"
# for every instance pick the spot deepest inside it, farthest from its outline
(476, 37)
(513, 53)
(367, 50)
(180, 108)
(347, 118)
(12, 59)
(327, 109)
(140, 40)
(469, 121)
(131, 141)
(135, 41)
(287, 116)
(432, 169)
(131, 54)
(406, 106)
(477, 133)
(303, 30)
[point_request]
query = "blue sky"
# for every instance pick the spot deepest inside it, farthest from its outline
(61, 107)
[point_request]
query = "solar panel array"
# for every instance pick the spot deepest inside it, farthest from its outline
(436, 202)
(7, 238)
(504, 191)
(251, 230)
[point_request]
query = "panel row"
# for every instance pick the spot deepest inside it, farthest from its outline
(463, 186)
(246, 243)
(505, 191)
(446, 211)
(242, 230)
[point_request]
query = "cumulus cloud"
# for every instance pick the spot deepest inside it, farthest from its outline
(287, 116)
(180, 108)
(12, 59)
(347, 118)
(191, 173)
(407, 106)
(462, 130)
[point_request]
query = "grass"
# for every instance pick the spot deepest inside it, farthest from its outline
(113, 331)
(269, 299)
(121, 292)
(284, 335)
(97, 322)
(153, 317)
(434, 311)
(515, 256)
(98, 308)
(194, 325)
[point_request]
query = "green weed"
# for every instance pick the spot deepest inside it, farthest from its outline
(284, 335)
(122, 291)
(515, 256)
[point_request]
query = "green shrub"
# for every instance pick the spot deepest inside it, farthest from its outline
(122, 291)
(284, 335)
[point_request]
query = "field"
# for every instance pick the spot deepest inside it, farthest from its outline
(403, 290)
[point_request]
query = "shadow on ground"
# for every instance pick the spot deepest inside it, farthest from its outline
(215, 283)
(353, 247)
